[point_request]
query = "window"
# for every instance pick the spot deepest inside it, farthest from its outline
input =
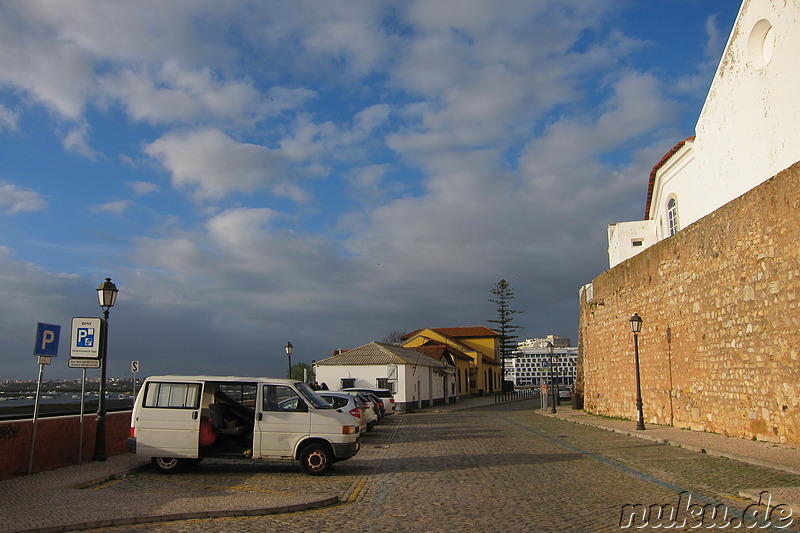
(173, 395)
(672, 216)
(637, 242)
(282, 398)
(348, 383)
(385, 383)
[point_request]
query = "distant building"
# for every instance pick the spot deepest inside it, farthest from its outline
(415, 379)
(479, 373)
(555, 340)
(529, 365)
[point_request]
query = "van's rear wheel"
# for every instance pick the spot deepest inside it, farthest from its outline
(168, 465)
(316, 459)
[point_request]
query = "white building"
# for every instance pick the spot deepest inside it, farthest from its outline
(530, 364)
(747, 132)
(415, 379)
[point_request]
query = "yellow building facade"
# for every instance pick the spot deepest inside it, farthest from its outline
(480, 373)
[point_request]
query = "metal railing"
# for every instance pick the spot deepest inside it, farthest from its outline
(516, 394)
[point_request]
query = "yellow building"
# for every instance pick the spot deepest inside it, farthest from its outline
(477, 374)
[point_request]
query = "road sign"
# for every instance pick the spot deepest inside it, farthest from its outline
(134, 366)
(85, 338)
(46, 339)
(83, 362)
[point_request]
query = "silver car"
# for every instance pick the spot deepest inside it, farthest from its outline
(349, 403)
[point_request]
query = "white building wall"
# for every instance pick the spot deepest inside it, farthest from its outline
(749, 128)
(747, 131)
(365, 375)
(677, 178)
(626, 239)
(418, 387)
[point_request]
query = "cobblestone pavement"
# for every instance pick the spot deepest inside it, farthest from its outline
(497, 468)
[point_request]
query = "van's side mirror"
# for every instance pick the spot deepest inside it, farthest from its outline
(302, 407)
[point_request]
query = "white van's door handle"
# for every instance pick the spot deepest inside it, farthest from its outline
(260, 416)
(194, 415)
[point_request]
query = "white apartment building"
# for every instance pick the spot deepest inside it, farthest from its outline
(530, 364)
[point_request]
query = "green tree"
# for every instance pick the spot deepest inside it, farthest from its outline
(503, 294)
(298, 374)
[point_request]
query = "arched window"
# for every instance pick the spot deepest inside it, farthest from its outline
(672, 216)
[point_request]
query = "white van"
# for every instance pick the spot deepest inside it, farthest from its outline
(180, 420)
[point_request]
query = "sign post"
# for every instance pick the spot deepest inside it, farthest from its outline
(134, 369)
(84, 352)
(45, 347)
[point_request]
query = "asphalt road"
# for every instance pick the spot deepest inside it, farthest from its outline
(498, 468)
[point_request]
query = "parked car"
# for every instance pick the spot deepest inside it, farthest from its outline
(385, 394)
(379, 402)
(564, 393)
(349, 403)
(371, 410)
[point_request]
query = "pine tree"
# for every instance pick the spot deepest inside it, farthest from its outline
(505, 316)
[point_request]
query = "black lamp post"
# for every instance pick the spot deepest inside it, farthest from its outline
(636, 327)
(550, 349)
(288, 349)
(107, 295)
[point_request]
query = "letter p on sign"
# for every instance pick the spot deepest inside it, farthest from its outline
(46, 339)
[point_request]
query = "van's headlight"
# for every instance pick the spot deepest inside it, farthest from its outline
(349, 430)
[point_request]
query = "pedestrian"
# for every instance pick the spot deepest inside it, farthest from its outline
(323, 386)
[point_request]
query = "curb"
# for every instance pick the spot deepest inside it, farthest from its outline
(690, 447)
(198, 515)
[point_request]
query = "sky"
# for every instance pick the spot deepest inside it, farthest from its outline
(255, 172)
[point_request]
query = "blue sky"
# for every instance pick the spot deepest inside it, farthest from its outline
(325, 172)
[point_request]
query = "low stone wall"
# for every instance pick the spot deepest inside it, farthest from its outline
(720, 342)
(57, 440)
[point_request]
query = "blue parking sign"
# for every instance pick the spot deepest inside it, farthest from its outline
(46, 343)
(86, 338)
(86, 335)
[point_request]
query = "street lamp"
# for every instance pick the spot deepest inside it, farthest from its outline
(550, 349)
(636, 327)
(288, 349)
(107, 295)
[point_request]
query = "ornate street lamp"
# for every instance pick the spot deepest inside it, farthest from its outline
(550, 349)
(107, 296)
(288, 349)
(636, 327)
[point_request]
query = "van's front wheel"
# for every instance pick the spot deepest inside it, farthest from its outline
(168, 465)
(316, 459)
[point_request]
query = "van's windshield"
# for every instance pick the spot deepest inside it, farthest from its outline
(312, 397)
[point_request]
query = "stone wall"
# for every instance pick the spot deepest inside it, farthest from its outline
(721, 334)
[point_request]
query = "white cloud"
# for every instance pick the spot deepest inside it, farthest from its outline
(76, 140)
(116, 207)
(212, 164)
(142, 187)
(15, 199)
(8, 119)
(174, 93)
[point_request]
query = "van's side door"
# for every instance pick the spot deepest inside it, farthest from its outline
(282, 420)
(168, 421)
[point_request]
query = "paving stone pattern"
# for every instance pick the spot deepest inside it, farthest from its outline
(499, 468)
